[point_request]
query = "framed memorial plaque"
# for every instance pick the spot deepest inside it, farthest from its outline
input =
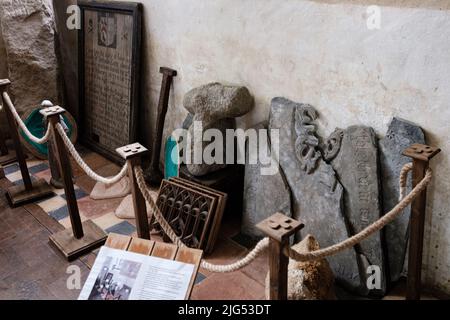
(109, 46)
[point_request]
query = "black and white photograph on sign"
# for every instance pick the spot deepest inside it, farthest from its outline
(115, 280)
(124, 275)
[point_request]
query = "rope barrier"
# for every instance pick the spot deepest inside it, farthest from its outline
(309, 256)
(371, 229)
(402, 181)
(22, 125)
(76, 156)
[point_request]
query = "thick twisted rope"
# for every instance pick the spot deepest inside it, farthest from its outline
(368, 231)
(76, 156)
(403, 178)
(264, 243)
(22, 125)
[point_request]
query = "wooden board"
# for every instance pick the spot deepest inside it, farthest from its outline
(109, 65)
(160, 250)
(18, 195)
(220, 208)
(73, 248)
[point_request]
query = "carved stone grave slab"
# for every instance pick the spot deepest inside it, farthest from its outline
(317, 194)
(357, 168)
(264, 195)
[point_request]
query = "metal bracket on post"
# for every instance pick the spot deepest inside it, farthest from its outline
(29, 190)
(84, 236)
(279, 228)
(421, 155)
(132, 154)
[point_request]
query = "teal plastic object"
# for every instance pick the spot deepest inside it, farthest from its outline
(171, 159)
(35, 124)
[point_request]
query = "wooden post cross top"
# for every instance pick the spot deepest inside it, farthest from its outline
(132, 154)
(279, 228)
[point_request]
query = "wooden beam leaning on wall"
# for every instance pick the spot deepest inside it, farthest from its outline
(29, 190)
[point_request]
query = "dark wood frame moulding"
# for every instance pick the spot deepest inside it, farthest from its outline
(128, 8)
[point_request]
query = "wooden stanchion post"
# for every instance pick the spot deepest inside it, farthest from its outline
(279, 228)
(83, 237)
(421, 155)
(30, 190)
(132, 154)
(6, 156)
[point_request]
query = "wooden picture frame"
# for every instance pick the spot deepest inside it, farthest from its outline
(112, 31)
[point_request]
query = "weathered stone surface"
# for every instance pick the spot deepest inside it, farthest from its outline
(264, 195)
(214, 105)
(317, 195)
(332, 145)
(28, 33)
(214, 101)
(357, 168)
(312, 280)
(400, 135)
(203, 168)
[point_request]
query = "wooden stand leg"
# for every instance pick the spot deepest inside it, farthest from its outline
(132, 154)
(3, 148)
(84, 237)
(29, 191)
(421, 155)
(279, 228)
(154, 174)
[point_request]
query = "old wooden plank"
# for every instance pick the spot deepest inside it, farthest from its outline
(118, 241)
(191, 256)
(141, 246)
(164, 250)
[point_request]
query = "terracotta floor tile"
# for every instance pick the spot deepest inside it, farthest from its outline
(228, 286)
(230, 227)
(258, 269)
(66, 221)
(225, 251)
(95, 208)
(46, 175)
(52, 204)
(87, 184)
(93, 160)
